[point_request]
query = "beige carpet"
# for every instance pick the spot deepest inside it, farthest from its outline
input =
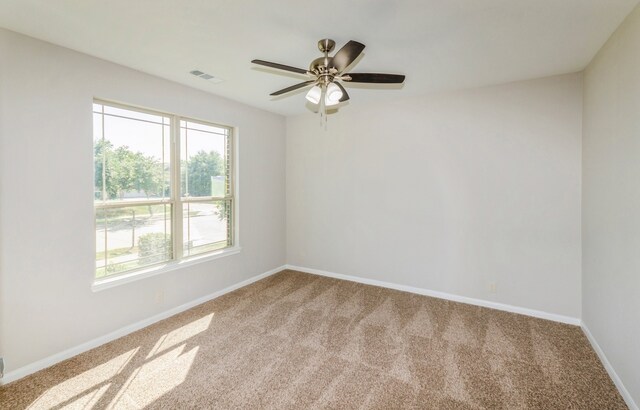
(298, 341)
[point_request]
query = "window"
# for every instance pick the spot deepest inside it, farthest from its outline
(163, 188)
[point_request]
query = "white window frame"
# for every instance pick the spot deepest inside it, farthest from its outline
(176, 201)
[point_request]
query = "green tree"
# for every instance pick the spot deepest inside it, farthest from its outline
(102, 155)
(147, 174)
(153, 247)
(123, 170)
(126, 171)
(201, 167)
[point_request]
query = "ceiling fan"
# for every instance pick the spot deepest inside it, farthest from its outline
(326, 74)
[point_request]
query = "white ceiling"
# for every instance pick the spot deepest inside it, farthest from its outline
(438, 44)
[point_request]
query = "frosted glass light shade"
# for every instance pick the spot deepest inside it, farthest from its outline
(334, 93)
(314, 94)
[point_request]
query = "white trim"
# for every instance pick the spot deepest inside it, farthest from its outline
(612, 373)
(110, 282)
(58, 357)
(442, 295)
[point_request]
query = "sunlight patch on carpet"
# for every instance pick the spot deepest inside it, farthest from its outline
(157, 377)
(181, 334)
(85, 388)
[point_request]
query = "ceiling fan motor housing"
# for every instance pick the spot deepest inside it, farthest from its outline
(322, 68)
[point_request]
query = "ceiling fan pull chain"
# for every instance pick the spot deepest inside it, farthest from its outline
(323, 106)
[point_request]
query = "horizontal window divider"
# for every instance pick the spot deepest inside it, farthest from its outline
(123, 204)
(201, 122)
(131, 119)
(207, 244)
(119, 275)
(137, 260)
(128, 107)
(205, 199)
(202, 131)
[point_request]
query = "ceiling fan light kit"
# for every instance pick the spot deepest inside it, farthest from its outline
(314, 94)
(333, 94)
(327, 73)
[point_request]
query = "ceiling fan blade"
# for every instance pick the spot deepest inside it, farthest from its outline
(374, 78)
(293, 87)
(279, 66)
(345, 95)
(347, 55)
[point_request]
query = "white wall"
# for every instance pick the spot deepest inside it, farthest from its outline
(449, 193)
(611, 201)
(46, 209)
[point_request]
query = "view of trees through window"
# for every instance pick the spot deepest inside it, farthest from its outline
(139, 219)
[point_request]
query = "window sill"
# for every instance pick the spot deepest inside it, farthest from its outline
(107, 283)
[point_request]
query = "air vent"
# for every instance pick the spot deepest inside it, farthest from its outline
(206, 76)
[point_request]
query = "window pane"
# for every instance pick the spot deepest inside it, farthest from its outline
(131, 156)
(132, 237)
(204, 160)
(206, 226)
(98, 158)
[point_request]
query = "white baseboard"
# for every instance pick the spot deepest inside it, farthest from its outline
(66, 354)
(442, 295)
(612, 373)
